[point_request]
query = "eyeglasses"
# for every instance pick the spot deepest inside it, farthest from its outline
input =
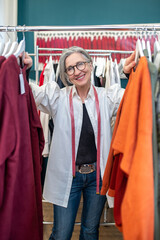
(71, 69)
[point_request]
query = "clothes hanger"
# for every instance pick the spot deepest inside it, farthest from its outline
(7, 45)
(149, 51)
(21, 48)
(139, 50)
(13, 47)
(1, 45)
(143, 42)
(156, 46)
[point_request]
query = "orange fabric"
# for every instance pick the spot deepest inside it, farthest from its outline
(133, 138)
(112, 152)
(138, 203)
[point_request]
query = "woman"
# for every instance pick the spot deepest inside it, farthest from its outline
(80, 144)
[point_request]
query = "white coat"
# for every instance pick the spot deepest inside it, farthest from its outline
(55, 101)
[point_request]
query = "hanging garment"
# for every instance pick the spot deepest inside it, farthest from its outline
(49, 75)
(2, 59)
(132, 137)
(154, 75)
(21, 145)
(157, 200)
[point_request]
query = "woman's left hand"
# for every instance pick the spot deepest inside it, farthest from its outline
(129, 63)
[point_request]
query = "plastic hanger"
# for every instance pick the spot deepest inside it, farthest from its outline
(156, 46)
(1, 45)
(13, 47)
(21, 47)
(1, 48)
(149, 51)
(7, 45)
(143, 44)
(139, 50)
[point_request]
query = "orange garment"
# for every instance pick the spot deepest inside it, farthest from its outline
(133, 138)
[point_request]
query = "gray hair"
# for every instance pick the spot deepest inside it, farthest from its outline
(67, 52)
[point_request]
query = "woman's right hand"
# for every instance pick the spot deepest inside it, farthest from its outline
(28, 60)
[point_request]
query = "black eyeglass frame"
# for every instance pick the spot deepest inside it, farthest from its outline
(76, 65)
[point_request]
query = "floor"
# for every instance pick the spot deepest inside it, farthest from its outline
(107, 228)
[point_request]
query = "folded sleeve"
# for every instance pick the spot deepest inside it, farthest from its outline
(46, 97)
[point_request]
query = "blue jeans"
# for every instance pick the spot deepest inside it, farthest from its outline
(93, 204)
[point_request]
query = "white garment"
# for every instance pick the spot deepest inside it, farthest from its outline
(157, 61)
(100, 63)
(49, 75)
(117, 75)
(55, 101)
(107, 77)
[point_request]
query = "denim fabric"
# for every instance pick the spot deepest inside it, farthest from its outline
(93, 204)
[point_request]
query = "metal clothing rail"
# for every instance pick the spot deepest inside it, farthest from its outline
(125, 27)
(93, 52)
(90, 50)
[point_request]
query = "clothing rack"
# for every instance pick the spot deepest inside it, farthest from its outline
(129, 27)
(125, 27)
(92, 52)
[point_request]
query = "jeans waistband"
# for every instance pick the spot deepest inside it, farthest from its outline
(86, 168)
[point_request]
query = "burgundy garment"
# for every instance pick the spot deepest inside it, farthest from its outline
(118, 47)
(117, 188)
(74, 41)
(70, 42)
(21, 145)
(2, 59)
(94, 43)
(85, 43)
(89, 43)
(99, 44)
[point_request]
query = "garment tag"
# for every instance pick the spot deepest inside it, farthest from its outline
(21, 79)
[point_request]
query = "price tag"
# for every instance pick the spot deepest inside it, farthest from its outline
(21, 79)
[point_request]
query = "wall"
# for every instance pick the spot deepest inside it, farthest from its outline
(8, 16)
(91, 12)
(84, 12)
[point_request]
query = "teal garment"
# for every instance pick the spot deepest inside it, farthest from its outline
(154, 75)
(157, 100)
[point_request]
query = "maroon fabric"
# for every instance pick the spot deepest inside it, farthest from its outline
(118, 47)
(2, 59)
(21, 145)
(117, 186)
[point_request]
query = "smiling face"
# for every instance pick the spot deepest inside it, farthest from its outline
(80, 78)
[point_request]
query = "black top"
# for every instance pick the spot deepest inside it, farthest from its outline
(87, 152)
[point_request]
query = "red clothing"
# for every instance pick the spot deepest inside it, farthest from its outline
(2, 59)
(21, 144)
(41, 80)
(132, 137)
